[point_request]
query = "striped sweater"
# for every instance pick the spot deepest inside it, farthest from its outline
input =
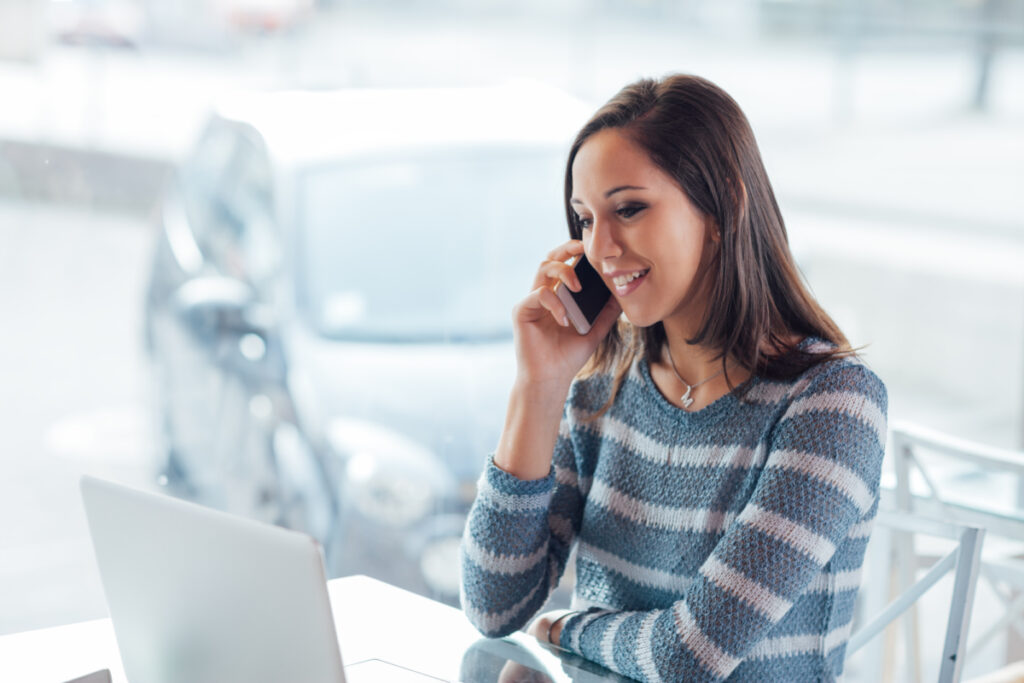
(721, 544)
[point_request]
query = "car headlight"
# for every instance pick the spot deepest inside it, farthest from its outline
(438, 552)
(439, 565)
(390, 478)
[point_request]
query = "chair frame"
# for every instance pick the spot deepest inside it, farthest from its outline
(906, 440)
(963, 561)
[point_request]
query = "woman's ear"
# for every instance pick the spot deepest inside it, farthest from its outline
(714, 234)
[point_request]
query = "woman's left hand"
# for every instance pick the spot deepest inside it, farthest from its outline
(542, 624)
(514, 672)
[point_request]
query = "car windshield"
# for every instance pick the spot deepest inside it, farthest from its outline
(436, 246)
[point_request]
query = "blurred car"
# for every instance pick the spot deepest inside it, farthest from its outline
(265, 16)
(111, 23)
(328, 313)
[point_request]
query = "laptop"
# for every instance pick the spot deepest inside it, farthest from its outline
(200, 596)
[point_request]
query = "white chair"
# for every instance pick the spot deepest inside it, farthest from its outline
(930, 474)
(962, 561)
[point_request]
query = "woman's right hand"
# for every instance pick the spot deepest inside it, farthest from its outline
(549, 353)
(549, 350)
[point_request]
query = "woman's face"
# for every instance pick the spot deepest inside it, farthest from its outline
(640, 231)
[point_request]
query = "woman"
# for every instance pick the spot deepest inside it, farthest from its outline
(714, 459)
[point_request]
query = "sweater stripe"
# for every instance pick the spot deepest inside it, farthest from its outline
(568, 478)
(862, 529)
(787, 646)
(497, 563)
(608, 639)
(749, 591)
(769, 393)
(645, 656)
(827, 582)
(837, 637)
(819, 548)
(496, 622)
(644, 576)
(512, 502)
(658, 452)
(658, 516)
(579, 625)
(829, 471)
(796, 645)
(859, 407)
(709, 655)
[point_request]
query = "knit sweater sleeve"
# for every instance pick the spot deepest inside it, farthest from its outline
(517, 541)
(820, 477)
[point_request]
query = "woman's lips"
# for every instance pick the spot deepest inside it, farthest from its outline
(626, 282)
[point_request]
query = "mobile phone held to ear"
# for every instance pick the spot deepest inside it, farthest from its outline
(584, 306)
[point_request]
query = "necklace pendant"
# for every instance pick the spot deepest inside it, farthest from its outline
(685, 399)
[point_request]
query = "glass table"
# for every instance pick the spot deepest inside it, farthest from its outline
(386, 634)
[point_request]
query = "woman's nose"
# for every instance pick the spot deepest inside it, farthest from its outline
(604, 243)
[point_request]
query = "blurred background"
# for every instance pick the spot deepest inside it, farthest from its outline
(295, 307)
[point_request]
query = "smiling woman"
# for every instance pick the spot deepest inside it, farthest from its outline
(713, 455)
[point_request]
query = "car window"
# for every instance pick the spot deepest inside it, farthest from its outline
(436, 246)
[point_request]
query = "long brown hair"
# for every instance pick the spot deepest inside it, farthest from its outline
(698, 135)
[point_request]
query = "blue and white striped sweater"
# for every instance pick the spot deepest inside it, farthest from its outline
(721, 544)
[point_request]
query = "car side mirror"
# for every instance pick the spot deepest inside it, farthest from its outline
(217, 306)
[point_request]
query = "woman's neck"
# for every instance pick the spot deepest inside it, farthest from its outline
(682, 366)
(694, 363)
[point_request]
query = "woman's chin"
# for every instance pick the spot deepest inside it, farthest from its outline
(640, 318)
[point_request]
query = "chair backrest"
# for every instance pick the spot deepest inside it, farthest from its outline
(963, 561)
(914, 450)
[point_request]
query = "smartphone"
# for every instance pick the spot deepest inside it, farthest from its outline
(584, 306)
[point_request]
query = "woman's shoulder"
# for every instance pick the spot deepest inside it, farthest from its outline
(843, 373)
(843, 381)
(830, 378)
(591, 392)
(838, 409)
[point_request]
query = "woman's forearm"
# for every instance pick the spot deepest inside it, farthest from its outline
(531, 429)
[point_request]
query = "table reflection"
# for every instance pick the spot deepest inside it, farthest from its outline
(501, 661)
(527, 661)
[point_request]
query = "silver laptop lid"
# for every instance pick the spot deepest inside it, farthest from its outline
(200, 596)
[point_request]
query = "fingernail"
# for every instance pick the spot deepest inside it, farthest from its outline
(565, 321)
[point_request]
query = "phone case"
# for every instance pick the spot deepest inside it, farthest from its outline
(572, 309)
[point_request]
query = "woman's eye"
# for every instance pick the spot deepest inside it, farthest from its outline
(630, 210)
(583, 223)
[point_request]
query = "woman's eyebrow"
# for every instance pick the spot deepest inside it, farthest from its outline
(610, 192)
(620, 188)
